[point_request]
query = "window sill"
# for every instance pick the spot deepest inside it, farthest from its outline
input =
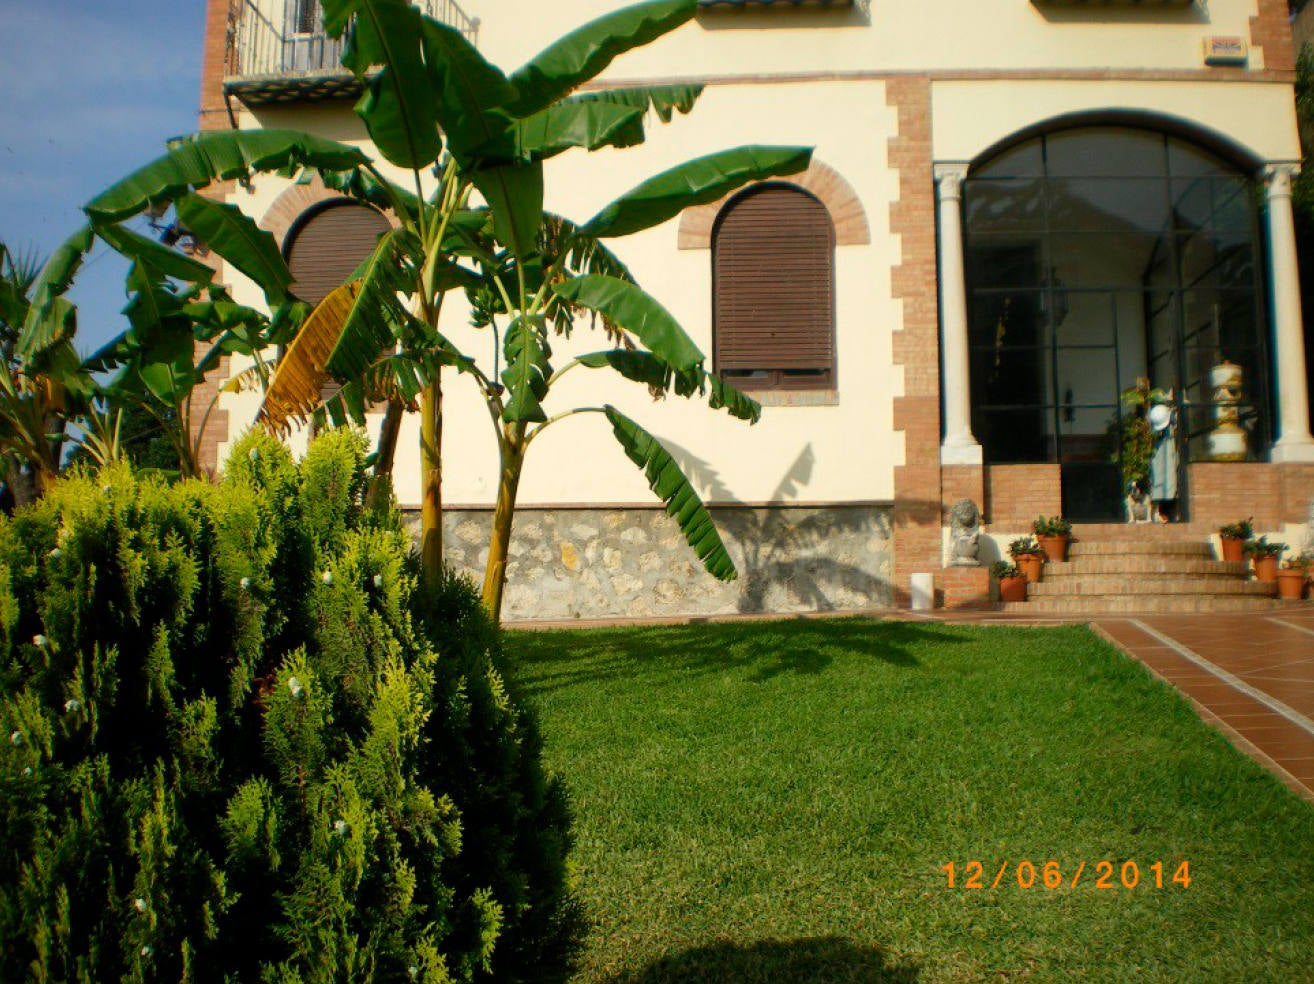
(795, 398)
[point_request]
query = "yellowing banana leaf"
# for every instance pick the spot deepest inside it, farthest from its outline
(294, 392)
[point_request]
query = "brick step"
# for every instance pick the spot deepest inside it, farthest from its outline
(1145, 565)
(1142, 531)
(1150, 546)
(1135, 587)
(1167, 604)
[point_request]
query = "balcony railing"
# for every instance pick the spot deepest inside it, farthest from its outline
(278, 50)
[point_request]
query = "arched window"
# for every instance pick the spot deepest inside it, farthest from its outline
(1098, 256)
(328, 244)
(773, 286)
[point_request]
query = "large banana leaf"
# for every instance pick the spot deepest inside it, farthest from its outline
(682, 502)
(218, 155)
(644, 367)
(585, 52)
(527, 371)
(398, 106)
(469, 91)
(628, 306)
(142, 249)
(294, 392)
(696, 182)
(234, 235)
(514, 193)
(50, 318)
(581, 124)
(663, 100)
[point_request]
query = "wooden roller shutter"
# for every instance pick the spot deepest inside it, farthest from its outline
(328, 246)
(773, 262)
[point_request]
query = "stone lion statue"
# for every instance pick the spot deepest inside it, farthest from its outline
(964, 534)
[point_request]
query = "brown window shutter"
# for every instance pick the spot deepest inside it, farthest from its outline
(773, 264)
(327, 246)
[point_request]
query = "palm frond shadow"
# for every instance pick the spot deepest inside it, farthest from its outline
(544, 662)
(823, 960)
(787, 550)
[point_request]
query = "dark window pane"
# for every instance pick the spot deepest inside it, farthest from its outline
(1005, 261)
(1023, 161)
(1185, 160)
(1105, 152)
(1021, 435)
(1011, 318)
(1102, 259)
(1085, 317)
(1005, 205)
(1127, 205)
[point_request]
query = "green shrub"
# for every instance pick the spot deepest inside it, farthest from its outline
(232, 751)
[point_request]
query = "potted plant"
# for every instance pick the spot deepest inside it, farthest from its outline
(1234, 537)
(1012, 582)
(1028, 557)
(1291, 579)
(1264, 556)
(1054, 534)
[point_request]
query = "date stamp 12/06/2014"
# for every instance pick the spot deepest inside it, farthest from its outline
(1052, 874)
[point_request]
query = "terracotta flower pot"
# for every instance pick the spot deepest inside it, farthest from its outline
(1032, 566)
(1291, 584)
(1013, 589)
(1055, 547)
(1265, 569)
(1234, 549)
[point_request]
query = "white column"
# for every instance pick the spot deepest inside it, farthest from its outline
(1294, 442)
(960, 447)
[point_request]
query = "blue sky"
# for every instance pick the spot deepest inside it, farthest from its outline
(92, 91)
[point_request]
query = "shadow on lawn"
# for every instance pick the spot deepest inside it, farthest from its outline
(548, 661)
(820, 960)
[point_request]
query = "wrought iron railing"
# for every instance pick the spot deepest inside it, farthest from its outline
(287, 37)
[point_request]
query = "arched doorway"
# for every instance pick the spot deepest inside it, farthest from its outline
(1098, 256)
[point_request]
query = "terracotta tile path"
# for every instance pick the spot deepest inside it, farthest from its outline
(1251, 675)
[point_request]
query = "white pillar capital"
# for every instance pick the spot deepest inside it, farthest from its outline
(1277, 177)
(949, 180)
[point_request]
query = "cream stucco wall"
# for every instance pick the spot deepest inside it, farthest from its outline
(968, 117)
(840, 452)
(879, 35)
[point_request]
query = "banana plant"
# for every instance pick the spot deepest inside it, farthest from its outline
(37, 392)
(432, 98)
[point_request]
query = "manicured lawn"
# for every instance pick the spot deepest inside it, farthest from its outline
(774, 801)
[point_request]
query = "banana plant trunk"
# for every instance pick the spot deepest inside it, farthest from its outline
(387, 454)
(431, 471)
(499, 543)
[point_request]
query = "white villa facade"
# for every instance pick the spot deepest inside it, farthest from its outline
(1016, 209)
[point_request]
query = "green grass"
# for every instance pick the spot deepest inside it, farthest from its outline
(773, 802)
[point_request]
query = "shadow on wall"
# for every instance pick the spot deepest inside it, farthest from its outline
(729, 16)
(792, 550)
(659, 654)
(1140, 13)
(822, 959)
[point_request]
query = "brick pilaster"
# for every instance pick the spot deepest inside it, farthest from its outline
(1270, 32)
(219, 16)
(917, 495)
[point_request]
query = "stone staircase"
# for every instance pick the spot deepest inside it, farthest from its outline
(1115, 569)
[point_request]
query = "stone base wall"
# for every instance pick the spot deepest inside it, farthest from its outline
(635, 563)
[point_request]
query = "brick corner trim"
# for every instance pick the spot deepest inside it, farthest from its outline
(1270, 31)
(820, 180)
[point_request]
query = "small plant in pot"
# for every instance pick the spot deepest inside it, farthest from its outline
(1264, 556)
(1012, 582)
(1234, 537)
(1292, 579)
(1054, 534)
(1029, 558)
